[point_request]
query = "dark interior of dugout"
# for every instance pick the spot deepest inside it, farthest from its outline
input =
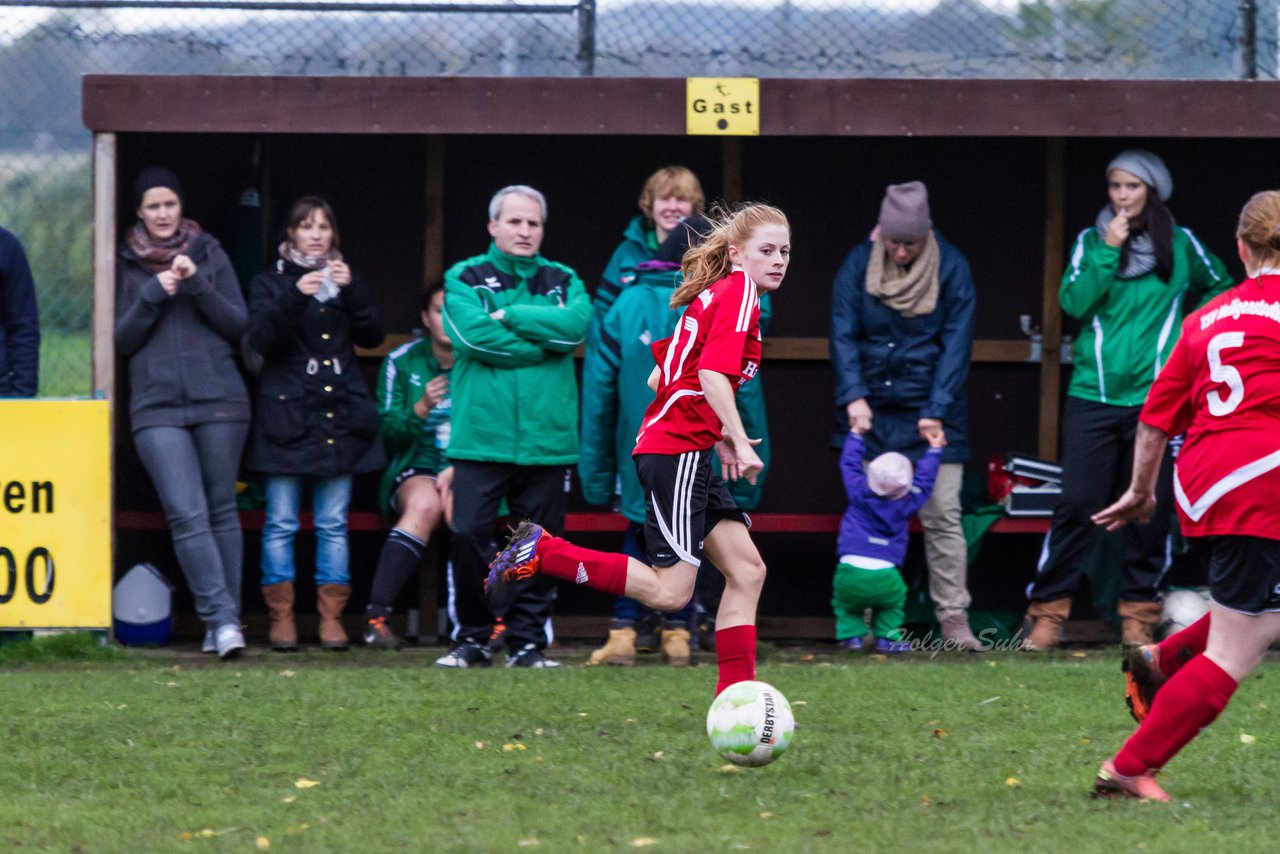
(409, 204)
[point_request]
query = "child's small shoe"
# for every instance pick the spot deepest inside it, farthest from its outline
(892, 647)
(850, 645)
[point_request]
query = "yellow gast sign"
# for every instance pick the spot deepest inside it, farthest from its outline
(55, 508)
(722, 106)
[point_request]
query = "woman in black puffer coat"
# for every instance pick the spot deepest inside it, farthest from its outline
(315, 422)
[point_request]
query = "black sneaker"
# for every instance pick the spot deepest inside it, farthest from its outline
(378, 634)
(464, 655)
(530, 656)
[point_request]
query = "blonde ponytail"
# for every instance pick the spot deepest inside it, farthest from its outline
(708, 262)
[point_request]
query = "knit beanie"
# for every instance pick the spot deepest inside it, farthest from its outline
(1146, 166)
(904, 213)
(691, 231)
(889, 475)
(152, 177)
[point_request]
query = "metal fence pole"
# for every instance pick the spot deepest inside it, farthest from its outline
(1248, 39)
(587, 38)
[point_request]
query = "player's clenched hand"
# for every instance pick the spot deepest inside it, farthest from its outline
(738, 459)
(1132, 506)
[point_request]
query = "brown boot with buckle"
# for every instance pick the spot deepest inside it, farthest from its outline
(1138, 622)
(279, 599)
(1044, 624)
(331, 599)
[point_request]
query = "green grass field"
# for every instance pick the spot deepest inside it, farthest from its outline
(111, 750)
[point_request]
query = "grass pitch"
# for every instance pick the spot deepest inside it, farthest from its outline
(129, 751)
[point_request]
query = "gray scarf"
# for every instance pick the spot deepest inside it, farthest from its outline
(1141, 257)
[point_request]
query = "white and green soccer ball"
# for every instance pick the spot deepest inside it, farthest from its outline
(750, 723)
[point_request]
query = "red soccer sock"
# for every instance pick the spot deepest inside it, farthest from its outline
(1186, 704)
(598, 570)
(736, 655)
(1179, 648)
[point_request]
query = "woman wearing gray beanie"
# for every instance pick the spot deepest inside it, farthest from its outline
(1130, 279)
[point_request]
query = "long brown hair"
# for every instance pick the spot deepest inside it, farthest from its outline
(708, 262)
(1259, 228)
(302, 209)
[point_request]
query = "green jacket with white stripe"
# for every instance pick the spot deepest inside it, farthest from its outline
(514, 384)
(1129, 326)
(408, 439)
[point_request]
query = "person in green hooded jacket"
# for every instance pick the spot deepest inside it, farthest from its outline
(515, 320)
(615, 372)
(1131, 279)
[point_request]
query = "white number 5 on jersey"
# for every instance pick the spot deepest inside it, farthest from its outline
(1225, 374)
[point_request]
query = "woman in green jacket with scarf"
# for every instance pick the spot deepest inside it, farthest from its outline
(1131, 279)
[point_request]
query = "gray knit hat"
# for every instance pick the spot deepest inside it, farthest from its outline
(904, 213)
(1147, 166)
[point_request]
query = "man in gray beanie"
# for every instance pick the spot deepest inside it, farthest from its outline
(905, 298)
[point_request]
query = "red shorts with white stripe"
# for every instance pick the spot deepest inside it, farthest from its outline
(684, 500)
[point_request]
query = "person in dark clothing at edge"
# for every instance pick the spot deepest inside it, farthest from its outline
(515, 320)
(901, 341)
(179, 318)
(316, 423)
(19, 321)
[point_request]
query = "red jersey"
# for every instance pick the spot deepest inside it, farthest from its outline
(1222, 387)
(719, 331)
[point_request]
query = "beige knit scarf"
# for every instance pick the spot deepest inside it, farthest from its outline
(911, 291)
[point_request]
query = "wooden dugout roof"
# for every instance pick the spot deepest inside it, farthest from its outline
(656, 106)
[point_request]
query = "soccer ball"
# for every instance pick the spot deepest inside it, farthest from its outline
(750, 723)
(1181, 609)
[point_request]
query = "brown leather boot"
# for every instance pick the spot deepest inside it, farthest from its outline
(330, 600)
(1045, 620)
(1138, 622)
(619, 650)
(675, 647)
(957, 634)
(279, 599)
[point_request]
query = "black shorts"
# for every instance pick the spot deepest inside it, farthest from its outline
(1244, 573)
(401, 478)
(684, 499)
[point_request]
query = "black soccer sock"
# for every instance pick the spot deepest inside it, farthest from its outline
(400, 556)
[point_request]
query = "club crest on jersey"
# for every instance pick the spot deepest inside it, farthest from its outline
(492, 283)
(706, 297)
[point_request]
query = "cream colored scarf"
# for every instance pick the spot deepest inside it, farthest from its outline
(910, 291)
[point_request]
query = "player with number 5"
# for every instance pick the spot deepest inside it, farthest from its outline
(1221, 386)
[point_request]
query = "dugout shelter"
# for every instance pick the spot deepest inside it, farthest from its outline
(1014, 170)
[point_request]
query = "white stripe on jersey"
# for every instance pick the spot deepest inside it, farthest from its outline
(684, 392)
(689, 325)
(1239, 477)
(749, 300)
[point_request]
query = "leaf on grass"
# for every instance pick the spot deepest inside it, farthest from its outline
(988, 700)
(991, 664)
(287, 673)
(304, 783)
(528, 843)
(1012, 781)
(508, 748)
(729, 769)
(288, 799)
(800, 703)
(538, 731)
(766, 814)
(263, 843)
(1245, 738)
(809, 657)
(1079, 655)
(657, 755)
(582, 714)
(925, 800)
(939, 733)
(479, 745)
(171, 685)
(643, 842)
(177, 668)
(1262, 707)
(1084, 741)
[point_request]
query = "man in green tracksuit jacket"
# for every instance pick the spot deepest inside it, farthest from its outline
(1131, 279)
(515, 320)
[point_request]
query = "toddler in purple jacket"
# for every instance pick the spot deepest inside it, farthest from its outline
(873, 540)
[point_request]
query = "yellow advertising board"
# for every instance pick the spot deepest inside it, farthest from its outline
(55, 514)
(722, 106)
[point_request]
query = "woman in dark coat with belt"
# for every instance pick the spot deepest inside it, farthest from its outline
(179, 314)
(316, 423)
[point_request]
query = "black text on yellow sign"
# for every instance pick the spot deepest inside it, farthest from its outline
(722, 106)
(55, 502)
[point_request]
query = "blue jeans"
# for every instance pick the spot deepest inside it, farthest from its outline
(194, 472)
(330, 497)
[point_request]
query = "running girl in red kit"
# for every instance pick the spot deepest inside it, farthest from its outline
(689, 512)
(1222, 386)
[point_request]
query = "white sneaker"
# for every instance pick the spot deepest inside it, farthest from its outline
(209, 645)
(229, 641)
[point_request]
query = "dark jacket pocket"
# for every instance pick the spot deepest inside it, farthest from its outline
(281, 417)
(362, 417)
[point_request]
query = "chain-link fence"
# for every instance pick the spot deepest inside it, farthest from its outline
(44, 48)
